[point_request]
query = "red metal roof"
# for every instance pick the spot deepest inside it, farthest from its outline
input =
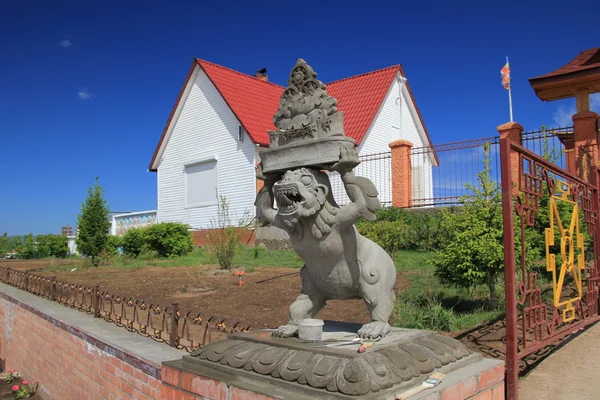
(254, 101)
(587, 59)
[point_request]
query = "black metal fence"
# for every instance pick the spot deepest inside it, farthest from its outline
(548, 144)
(442, 174)
(445, 174)
(166, 324)
(377, 168)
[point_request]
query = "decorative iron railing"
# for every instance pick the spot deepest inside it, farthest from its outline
(552, 214)
(166, 324)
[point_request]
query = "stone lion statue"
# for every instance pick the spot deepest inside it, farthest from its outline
(340, 263)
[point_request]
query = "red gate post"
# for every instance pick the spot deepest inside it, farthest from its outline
(513, 131)
(510, 168)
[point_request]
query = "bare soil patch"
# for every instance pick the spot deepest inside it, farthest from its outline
(261, 305)
(37, 265)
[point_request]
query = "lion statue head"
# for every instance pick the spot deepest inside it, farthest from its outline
(305, 195)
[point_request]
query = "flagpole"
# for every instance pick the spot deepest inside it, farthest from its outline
(510, 96)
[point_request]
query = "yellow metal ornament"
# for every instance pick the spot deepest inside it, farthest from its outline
(571, 251)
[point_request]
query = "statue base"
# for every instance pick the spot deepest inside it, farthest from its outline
(269, 367)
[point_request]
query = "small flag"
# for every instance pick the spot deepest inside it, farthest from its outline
(505, 71)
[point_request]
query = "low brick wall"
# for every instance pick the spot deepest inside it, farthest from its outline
(75, 356)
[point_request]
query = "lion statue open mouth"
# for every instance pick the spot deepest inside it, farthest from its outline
(340, 263)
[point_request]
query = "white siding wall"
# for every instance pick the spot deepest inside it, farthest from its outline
(395, 120)
(206, 128)
(422, 186)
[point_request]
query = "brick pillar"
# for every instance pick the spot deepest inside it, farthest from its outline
(570, 155)
(512, 131)
(585, 132)
(401, 173)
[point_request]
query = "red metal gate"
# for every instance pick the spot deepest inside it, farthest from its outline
(551, 234)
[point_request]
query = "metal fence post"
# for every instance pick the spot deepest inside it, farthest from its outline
(26, 281)
(52, 288)
(174, 337)
(512, 360)
(96, 301)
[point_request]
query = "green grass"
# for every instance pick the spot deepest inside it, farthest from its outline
(410, 260)
(427, 304)
(248, 258)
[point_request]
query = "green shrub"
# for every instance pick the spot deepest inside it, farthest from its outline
(134, 241)
(390, 235)
(424, 228)
(107, 257)
(29, 249)
(53, 246)
(43, 246)
(169, 239)
(224, 244)
(113, 244)
(224, 241)
(6, 244)
(474, 253)
(166, 239)
(409, 229)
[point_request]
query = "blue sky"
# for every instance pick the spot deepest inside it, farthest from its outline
(87, 86)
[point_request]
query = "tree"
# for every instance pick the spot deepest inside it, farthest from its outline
(5, 244)
(30, 248)
(17, 242)
(93, 225)
(473, 254)
(52, 246)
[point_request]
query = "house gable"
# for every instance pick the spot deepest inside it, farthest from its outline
(398, 117)
(204, 131)
(168, 129)
(252, 101)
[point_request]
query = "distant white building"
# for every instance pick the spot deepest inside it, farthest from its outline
(121, 223)
(72, 245)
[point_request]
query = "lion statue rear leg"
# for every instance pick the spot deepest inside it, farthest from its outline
(377, 290)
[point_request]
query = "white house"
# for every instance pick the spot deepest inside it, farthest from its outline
(220, 122)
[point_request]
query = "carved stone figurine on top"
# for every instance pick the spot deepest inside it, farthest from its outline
(340, 263)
